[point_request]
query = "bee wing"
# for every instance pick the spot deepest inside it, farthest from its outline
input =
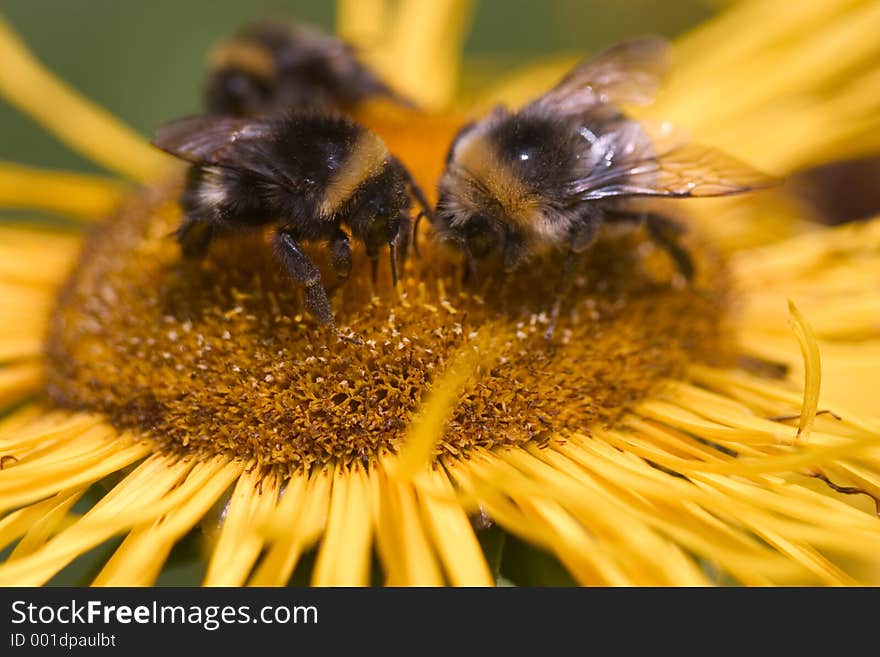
(626, 164)
(221, 141)
(629, 73)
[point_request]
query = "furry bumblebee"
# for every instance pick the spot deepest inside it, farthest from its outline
(274, 65)
(547, 177)
(275, 148)
(308, 174)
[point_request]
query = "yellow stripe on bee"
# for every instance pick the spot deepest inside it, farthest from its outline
(367, 158)
(243, 55)
(480, 161)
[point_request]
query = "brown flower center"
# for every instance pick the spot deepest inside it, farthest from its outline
(220, 357)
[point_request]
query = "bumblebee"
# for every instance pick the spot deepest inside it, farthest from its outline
(307, 174)
(547, 177)
(274, 65)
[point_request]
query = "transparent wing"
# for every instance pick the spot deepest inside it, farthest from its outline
(221, 141)
(626, 163)
(629, 73)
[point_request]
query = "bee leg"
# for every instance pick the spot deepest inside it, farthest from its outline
(665, 232)
(306, 275)
(398, 243)
(340, 252)
(571, 257)
(392, 255)
(581, 239)
(194, 237)
(404, 236)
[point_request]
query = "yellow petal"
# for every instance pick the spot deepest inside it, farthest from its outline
(77, 195)
(240, 540)
(294, 526)
(78, 122)
(344, 555)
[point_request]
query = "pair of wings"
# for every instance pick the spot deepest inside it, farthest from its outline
(632, 159)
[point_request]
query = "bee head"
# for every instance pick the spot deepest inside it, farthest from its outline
(478, 235)
(383, 220)
(236, 92)
(380, 216)
(382, 228)
(243, 77)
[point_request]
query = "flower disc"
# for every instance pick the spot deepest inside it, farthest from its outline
(220, 357)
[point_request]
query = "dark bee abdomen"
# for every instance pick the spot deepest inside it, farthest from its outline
(226, 196)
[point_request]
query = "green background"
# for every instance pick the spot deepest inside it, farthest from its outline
(144, 59)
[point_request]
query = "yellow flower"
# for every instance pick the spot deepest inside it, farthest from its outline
(726, 432)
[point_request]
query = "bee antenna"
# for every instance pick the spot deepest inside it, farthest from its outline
(392, 250)
(415, 233)
(417, 193)
(427, 210)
